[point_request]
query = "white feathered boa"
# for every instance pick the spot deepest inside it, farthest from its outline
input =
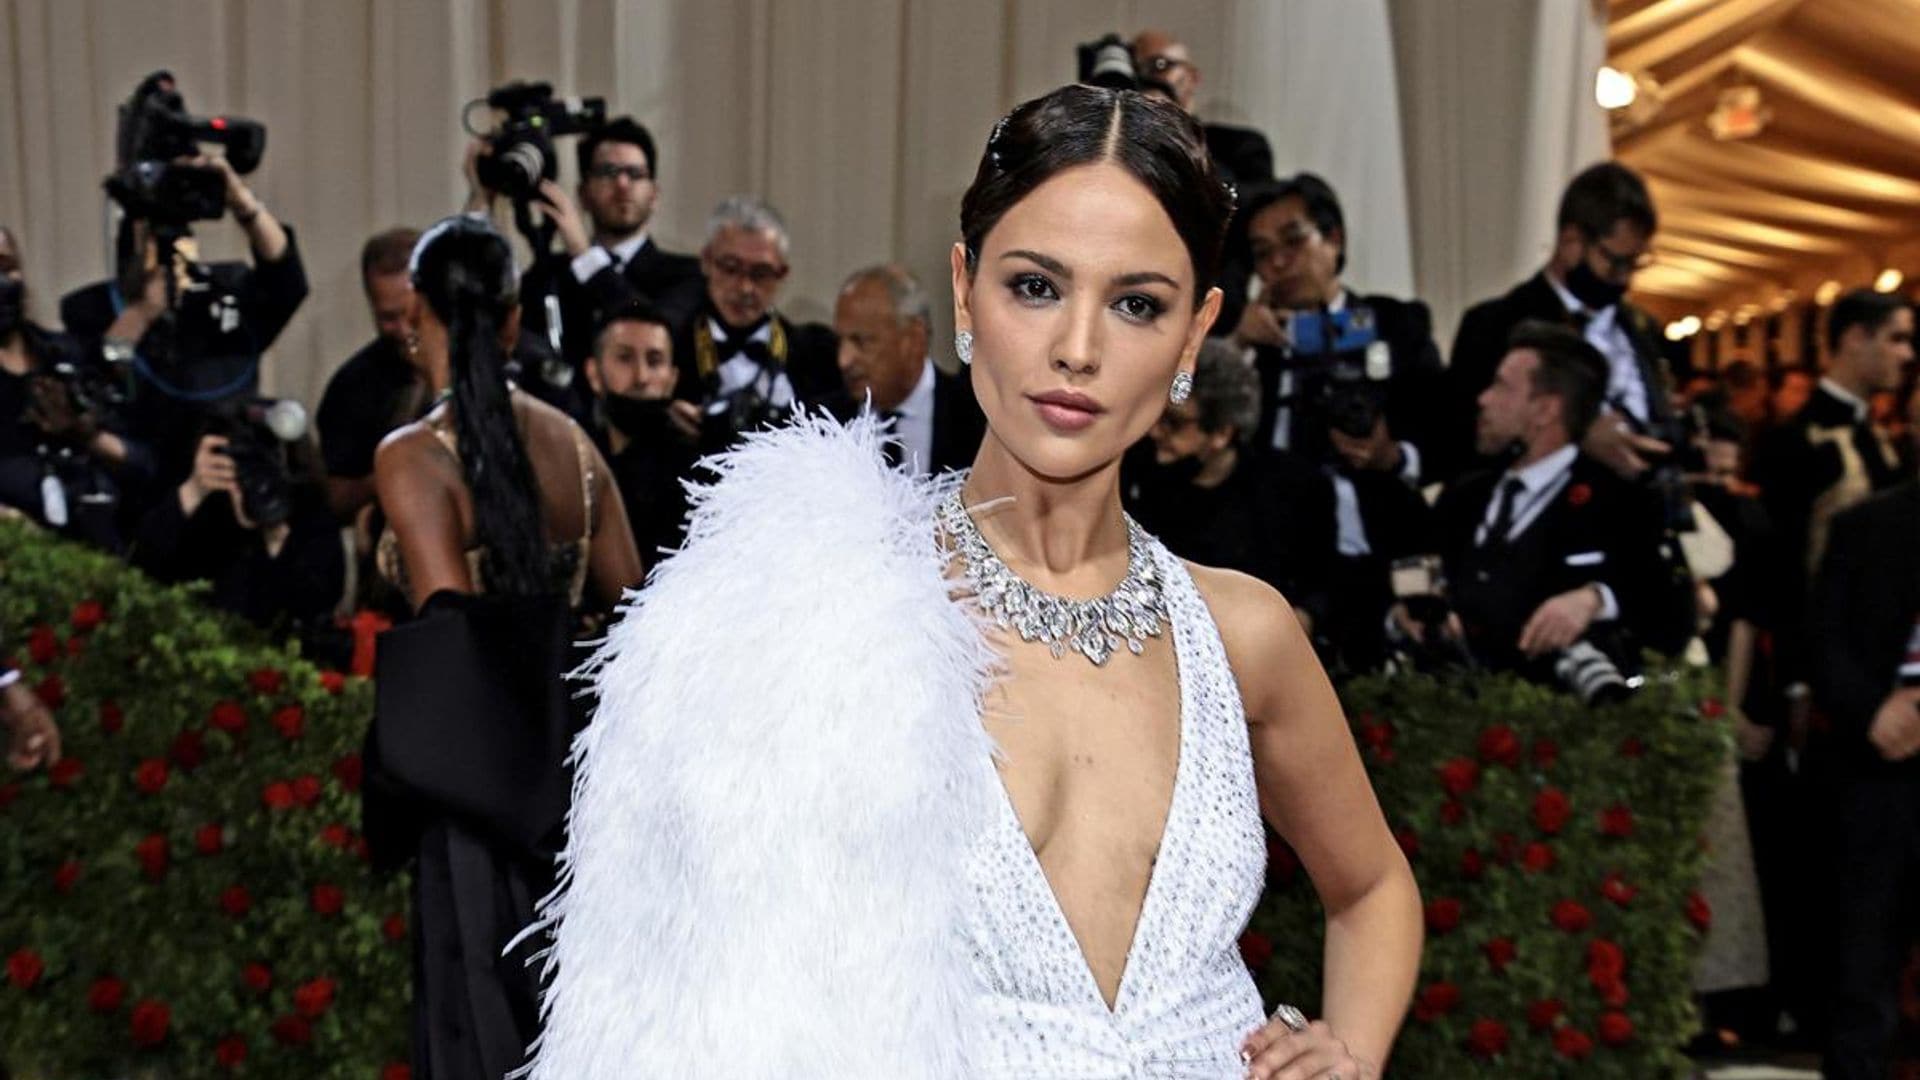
(765, 868)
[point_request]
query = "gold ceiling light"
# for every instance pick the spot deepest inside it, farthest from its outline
(1827, 293)
(1740, 114)
(1888, 280)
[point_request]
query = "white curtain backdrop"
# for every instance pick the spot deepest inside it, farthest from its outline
(1445, 127)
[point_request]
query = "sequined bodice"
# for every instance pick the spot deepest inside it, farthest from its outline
(1186, 1001)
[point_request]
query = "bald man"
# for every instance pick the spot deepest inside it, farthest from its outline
(1242, 155)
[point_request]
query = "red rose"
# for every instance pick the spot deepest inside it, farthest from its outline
(257, 978)
(1615, 1028)
(332, 682)
(306, 790)
(1443, 914)
(1579, 495)
(43, 645)
(292, 1031)
(88, 614)
(1631, 747)
(396, 1071)
(236, 901)
(209, 839)
(327, 899)
(229, 717)
(8, 793)
(313, 998)
(151, 776)
(1605, 960)
(1282, 863)
(66, 876)
(1408, 840)
(266, 681)
(1500, 952)
(1699, 912)
(1452, 812)
(1500, 746)
(149, 1023)
(111, 718)
(106, 994)
(277, 795)
(1713, 708)
(1572, 916)
(1572, 1043)
(1613, 992)
(52, 691)
(1375, 736)
(348, 771)
(1472, 865)
(1541, 1014)
(395, 927)
(1459, 776)
(1487, 1038)
(1551, 808)
(1436, 1000)
(1255, 950)
(1615, 888)
(1536, 858)
(24, 968)
(152, 853)
(336, 836)
(63, 773)
(189, 750)
(290, 721)
(1616, 821)
(231, 1053)
(1546, 753)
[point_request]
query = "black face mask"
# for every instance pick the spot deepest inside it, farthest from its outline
(642, 420)
(1597, 293)
(1182, 471)
(13, 306)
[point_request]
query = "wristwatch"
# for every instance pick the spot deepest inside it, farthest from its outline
(116, 350)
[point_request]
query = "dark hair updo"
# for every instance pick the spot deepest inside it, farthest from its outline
(1151, 138)
(464, 270)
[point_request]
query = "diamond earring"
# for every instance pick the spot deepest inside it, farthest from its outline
(963, 346)
(1182, 388)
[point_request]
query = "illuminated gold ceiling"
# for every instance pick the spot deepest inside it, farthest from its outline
(1830, 187)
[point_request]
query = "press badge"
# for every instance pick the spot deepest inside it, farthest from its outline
(1379, 361)
(53, 500)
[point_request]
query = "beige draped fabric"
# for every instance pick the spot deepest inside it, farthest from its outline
(1445, 127)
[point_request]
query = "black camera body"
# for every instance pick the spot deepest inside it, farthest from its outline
(258, 433)
(154, 131)
(1342, 366)
(522, 153)
(1108, 62)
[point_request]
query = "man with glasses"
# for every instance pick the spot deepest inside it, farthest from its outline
(608, 259)
(1606, 225)
(745, 363)
(1242, 155)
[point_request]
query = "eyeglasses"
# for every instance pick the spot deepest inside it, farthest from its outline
(1619, 264)
(1160, 65)
(610, 171)
(758, 273)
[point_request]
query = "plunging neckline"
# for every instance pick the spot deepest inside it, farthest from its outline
(1037, 874)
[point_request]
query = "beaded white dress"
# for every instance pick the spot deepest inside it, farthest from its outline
(1186, 1001)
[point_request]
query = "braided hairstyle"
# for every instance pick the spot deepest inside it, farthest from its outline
(464, 270)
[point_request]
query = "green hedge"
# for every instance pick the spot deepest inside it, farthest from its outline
(1557, 849)
(188, 889)
(186, 893)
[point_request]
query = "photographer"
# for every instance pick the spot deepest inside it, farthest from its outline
(379, 388)
(739, 357)
(1553, 562)
(608, 260)
(250, 519)
(646, 433)
(63, 460)
(192, 332)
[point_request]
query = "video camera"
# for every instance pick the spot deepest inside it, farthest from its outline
(1343, 363)
(155, 131)
(521, 148)
(258, 433)
(1108, 62)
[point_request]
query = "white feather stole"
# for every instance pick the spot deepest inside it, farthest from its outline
(765, 868)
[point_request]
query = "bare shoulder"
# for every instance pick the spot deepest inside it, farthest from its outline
(409, 461)
(1262, 636)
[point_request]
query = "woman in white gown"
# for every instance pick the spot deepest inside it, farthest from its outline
(867, 795)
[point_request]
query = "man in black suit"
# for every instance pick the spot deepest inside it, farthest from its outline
(883, 320)
(1554, 548)
(1606, 224)
(607, 258)
(1241, 155)
(648, 436)
(1867, 667)
(739, 357)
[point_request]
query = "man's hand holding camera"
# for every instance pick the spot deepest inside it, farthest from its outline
(1614, 444)
(214, 470)
(1561, 621)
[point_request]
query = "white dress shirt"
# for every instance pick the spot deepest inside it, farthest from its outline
(1626, 385)
(597, 258)
(913, 423)
(1540, 484)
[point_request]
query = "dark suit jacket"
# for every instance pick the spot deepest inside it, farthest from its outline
(1240, 155)
(1864, 610)
(1598, 529)
(812, 361)
(958, 423)
(1481, 344)
(671, 282)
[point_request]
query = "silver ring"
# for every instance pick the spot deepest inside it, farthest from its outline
(1295, 1020)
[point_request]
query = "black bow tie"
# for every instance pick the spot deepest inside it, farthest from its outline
(744, 344)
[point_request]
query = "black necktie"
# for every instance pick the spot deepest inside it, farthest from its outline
(1580, 317)
(896, 450)
(1503, 513)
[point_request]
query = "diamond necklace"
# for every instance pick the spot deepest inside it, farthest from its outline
(1131, 613)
